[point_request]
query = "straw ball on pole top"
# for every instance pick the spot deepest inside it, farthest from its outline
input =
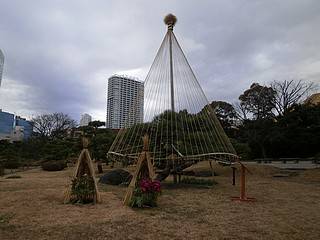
(170, 20)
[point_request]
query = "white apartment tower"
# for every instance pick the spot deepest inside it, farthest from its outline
(124, 102)
(85, 119)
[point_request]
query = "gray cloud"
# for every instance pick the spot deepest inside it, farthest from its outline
(59, 54)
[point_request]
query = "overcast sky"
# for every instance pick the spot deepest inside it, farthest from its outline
(59, 54)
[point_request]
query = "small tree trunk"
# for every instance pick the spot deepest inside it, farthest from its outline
(174, 171)
(175, 178)
(263, 150)
(99, 167)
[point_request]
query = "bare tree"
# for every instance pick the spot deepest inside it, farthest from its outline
(53, 125)
(289, 93)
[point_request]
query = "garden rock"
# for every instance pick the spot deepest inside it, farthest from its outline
(203, 173)
(116, 177)
(53, 165)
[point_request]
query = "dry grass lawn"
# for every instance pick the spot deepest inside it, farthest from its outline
(286, 208)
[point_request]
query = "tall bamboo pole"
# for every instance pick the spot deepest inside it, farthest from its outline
(170, 20)
(170, 29)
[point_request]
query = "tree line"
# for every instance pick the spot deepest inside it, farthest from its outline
(268, 121)
(273, 121)
(56, 137)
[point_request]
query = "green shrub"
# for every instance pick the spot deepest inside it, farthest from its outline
(53, 165)
(13, 177)
(11, 164)
(243, 149)
(146, 193)
(53, 157)
(1, 170)
(82, 189)
(195, 181)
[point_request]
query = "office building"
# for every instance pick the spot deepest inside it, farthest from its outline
(6, 125)
(124, 102)
(85, 119)
(24, 126)
(14, 128)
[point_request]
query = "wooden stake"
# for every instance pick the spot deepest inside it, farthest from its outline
(243, 196)
(242, 183)
(233, 176)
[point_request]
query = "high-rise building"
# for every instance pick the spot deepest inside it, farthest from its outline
(85, 119)
(124, 102)
(1, 65)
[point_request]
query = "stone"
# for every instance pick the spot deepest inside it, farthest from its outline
(116, 177)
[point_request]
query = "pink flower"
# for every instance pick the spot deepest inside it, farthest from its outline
(145, 185)
(156, 186)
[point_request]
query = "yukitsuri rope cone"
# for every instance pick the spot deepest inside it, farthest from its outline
(144, 169)
(84, 166)
(181, 124)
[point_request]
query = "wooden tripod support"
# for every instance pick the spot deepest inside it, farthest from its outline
(84, 166)
(144, 169)
(243, 197)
